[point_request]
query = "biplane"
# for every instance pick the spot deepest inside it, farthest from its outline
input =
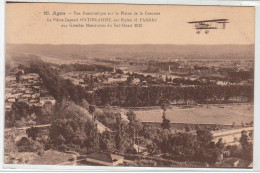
(209, 24)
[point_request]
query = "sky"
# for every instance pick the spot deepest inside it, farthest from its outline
(27, 24)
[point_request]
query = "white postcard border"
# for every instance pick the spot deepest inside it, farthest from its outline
(6, 167)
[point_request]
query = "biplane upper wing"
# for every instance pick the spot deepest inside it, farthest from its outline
(214, 20)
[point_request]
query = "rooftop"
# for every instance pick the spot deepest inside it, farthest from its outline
(106, 157)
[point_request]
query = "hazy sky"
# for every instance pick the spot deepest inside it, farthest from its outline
(25, 23)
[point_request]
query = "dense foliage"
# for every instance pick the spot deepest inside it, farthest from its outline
(59, 88)
(154, 95)
(23, 115)
(84, 67)
(133, 95)
(74, 122)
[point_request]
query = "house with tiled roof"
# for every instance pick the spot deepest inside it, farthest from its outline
(106, 159)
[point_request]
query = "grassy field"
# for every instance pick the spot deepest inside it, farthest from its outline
(211, 114)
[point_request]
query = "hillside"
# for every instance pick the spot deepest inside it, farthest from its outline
(71, 108)
(134, 51)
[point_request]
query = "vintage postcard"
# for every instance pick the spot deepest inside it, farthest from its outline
(129, 85)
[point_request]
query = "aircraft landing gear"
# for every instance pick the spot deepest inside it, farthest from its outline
(197, 32)
(207, 31)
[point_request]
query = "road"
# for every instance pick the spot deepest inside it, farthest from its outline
(27, 127)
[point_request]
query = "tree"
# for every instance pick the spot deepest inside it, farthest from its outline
(47, 108)
(91, 110)
(84, 104)
(86, 79)
(152, 148)
(32, 132)
(220, 145)
(120, 137)
(107, 141)
(17, 75)
(204, 137)
(247, 146)
(207, 151)
(96, 136)
(134, 125)
(91, 82)
(164, 108)
(244, 140)
(187, 128)
(129, 80)
(131, 116)
(9, 119)
(147, 132)
(20, 109)
(165, 123)
(166, 79)
(71, 128)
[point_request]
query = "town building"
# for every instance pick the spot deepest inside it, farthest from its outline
(106, 159)
(28, 89)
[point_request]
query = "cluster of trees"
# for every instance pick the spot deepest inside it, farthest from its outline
(229, 73)
(197, 67)
(198, 146)
(242, 75)
(58, 87)
(155, 66)
(131, 95)
(125, 132)
(22, 114)
(183, 81)
(107, 60)
(74, 133)
(243, 151)
(12, 146)
(73, 129)
(168, 80)
(186, 146)
(85, 67)
(246, 142)
(154, 95)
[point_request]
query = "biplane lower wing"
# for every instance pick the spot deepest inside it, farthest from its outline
(209, 24)
(206, 28)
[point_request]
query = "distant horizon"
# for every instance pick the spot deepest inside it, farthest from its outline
(135, 50)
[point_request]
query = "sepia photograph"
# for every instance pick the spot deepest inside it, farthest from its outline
(129, 85)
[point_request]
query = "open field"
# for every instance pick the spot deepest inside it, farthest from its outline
(211, 114)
